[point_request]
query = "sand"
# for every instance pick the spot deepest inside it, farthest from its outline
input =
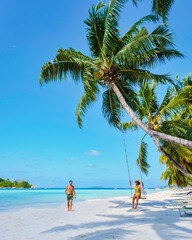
(156, 218)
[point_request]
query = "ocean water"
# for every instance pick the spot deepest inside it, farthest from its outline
(12, 199)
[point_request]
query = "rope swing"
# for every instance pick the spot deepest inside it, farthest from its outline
(126, 157)
(138, 154)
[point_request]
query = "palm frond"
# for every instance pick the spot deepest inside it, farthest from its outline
(188, 80)
(111, 35)
(96, 28)
(111, 108)
(88, 97)
(175, 103)
(99, 6)
(162, 109)
(175, 177)
(129, 126)
(135, 2)
(181, 155)
(67, 61)
(139, 44)
(136, 76)
(154, 57)
(145, 44)
(148, 98)
(85, 101)
(176, 128)
(128, 36)
(142, 158)
(161, 8)
(162, 37)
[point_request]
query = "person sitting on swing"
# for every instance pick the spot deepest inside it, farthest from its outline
(137, 194)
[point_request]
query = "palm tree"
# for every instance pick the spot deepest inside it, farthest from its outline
(183, 157)
(160, 7)
(172, 174)
(167, 118)
(185, 83)
(180, 154)
(116, 64)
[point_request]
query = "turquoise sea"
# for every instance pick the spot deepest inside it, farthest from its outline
(12, 199)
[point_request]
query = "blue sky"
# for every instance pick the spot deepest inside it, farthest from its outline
(39, 137)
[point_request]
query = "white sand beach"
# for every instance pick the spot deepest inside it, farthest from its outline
(156, 218)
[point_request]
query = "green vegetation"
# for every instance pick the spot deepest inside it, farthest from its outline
(118, 66)
(16, 184)
(182, 125)
(173, 116)
(159, 7)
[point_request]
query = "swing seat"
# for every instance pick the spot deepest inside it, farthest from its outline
(144, 197)
(125, 148)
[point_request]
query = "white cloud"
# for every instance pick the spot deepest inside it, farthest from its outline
(70, 159)
(90, 165)
(92, 153)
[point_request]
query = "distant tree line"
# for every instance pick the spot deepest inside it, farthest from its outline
(16, 184)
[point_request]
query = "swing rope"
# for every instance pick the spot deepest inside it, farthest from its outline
(127, 159)
(138, 155)
(125, 149)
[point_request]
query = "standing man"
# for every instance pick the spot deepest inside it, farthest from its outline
(69, 191)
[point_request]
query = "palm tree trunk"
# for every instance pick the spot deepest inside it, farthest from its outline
(171, 160)
(152, 133)
(189, 184)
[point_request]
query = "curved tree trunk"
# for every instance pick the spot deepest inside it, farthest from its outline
(152, 133)
(171, 160)
(189, 184)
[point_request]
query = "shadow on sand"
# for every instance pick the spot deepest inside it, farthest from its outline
(117, 228)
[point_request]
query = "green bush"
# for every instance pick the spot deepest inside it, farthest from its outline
(7, 183)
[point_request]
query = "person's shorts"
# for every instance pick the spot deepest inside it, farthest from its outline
(70, 197)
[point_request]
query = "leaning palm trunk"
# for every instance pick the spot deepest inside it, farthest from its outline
(152, 133)
(170, 159)
(114, 57)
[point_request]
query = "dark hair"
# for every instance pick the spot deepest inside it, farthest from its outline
(70, 181)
